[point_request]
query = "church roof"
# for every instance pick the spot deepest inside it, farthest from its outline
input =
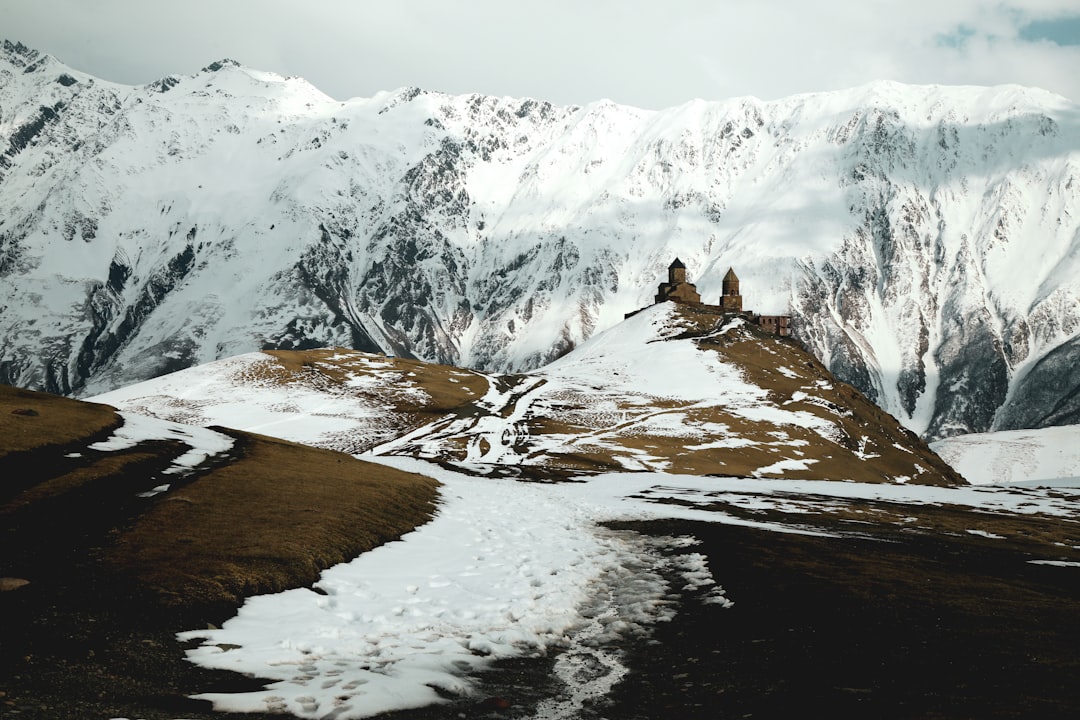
(677, 264)
(731, 275)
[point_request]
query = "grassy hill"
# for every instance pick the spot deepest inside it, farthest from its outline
(687, 391)
(100, 563)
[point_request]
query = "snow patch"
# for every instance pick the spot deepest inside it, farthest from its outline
(203, 443)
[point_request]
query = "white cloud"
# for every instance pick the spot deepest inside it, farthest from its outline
(636, 52)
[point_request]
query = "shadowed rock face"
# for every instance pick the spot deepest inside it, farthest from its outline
(148, 228)
(1044, 396)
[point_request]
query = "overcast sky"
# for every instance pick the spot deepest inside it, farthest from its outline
(652, 54)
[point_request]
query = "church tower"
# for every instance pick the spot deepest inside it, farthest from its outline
(676, 272)
(730, 299)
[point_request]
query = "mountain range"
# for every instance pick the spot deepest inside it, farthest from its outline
(925, 239)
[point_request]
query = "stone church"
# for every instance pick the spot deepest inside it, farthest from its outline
(678, 289)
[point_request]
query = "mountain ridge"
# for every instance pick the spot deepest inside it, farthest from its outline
(153, 227)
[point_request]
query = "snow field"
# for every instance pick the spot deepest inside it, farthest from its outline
(1050, 455)
(511, 569)
(505, 569)
(768, 493)
(228, 392)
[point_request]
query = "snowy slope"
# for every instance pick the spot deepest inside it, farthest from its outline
(925, 238)
(510, 569)
(1045, 456)
(339, 400)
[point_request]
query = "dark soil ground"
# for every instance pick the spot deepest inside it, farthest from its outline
(893, 624)
(904, 625)
(907, 626)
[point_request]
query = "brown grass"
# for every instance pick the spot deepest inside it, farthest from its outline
(447, 387)
(868, 445)
(269, 521)
(1047, 536)
(408, 393)
(269, 516)
(36, 421)
(99, 469)
(864, 427)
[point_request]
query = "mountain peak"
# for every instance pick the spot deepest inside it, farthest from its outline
(34, 68)
(499, 234)
(218, 65)
(22, 56)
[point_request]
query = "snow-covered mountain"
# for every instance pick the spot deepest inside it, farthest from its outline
(926, 239)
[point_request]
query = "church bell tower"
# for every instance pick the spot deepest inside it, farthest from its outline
(730, 299)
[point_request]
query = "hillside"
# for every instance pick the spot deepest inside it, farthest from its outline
(670, 389)
(919, 598)
(924, 238)
(57, 452)
(120, 530)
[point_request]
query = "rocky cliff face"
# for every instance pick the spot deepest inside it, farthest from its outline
(926, 239)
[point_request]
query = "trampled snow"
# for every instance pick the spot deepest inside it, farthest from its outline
(229, 393)
(510, 569)
(505, 569)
